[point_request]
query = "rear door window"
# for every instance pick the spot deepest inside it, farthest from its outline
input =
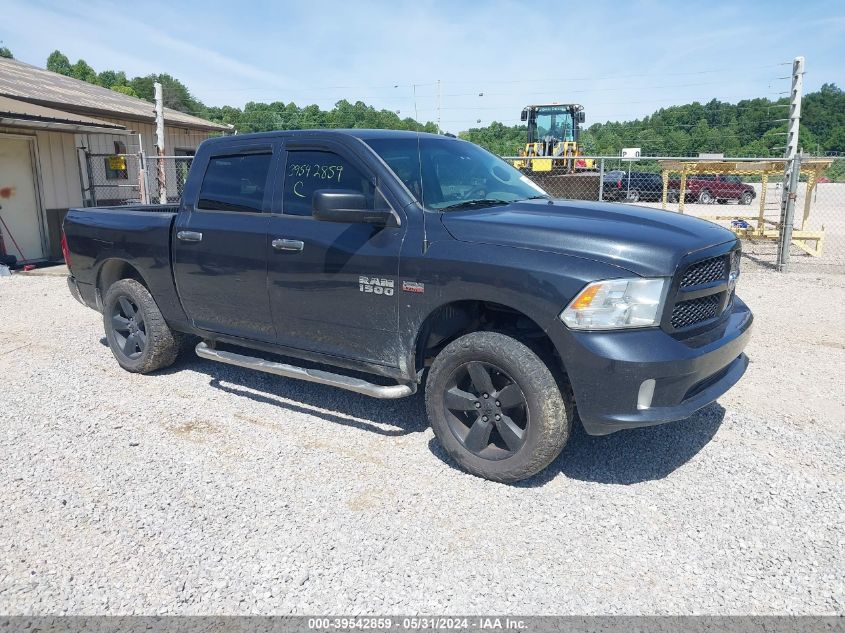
(235, 182)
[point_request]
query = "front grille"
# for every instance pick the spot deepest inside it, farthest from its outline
(692, 311)
(705, 271)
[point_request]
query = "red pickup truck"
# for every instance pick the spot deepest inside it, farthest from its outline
(711, 188)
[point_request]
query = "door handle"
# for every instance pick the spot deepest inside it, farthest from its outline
(288, 245)
(189, 236)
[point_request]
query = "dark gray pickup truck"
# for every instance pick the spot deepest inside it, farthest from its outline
(418, 259)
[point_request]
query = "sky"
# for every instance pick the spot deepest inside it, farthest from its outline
(621, 60)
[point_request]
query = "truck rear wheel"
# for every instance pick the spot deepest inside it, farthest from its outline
(139, 338)
(496, 407)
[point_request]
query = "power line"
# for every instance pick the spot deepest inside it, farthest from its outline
(477, 81)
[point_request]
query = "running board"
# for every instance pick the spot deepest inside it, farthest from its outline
(310, 375)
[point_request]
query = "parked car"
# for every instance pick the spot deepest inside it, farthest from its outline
(633, 187)
(711, 188)
(422, 260)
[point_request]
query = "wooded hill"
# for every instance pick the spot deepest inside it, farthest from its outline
(753, 127)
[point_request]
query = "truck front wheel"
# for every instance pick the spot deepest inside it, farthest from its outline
(496, 407)
(138, 336)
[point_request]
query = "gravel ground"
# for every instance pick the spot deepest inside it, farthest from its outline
(209, 489)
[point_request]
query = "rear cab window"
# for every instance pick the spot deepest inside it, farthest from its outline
(235, 182)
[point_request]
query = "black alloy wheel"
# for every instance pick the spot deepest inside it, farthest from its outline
(128, 327)
(486, 410)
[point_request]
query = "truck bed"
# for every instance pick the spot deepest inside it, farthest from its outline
(140, 208)
(140, 234)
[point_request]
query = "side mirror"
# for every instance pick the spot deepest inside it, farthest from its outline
(339, 205)
(581, 117)
(524, 115)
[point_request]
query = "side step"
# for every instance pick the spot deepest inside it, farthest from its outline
(310, 375)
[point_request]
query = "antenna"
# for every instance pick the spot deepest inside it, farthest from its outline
(439, 131)
(419, 162)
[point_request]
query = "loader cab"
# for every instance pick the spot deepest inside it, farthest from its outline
(557, 121)
(553, 134)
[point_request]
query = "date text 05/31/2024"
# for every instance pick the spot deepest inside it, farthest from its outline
(418, 623)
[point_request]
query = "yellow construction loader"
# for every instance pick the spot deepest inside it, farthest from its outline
(553, 137)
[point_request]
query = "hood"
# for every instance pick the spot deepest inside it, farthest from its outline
(645, 241)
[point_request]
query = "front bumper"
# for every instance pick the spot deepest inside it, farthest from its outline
(607, 369)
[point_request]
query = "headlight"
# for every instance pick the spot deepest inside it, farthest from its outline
(616, 303)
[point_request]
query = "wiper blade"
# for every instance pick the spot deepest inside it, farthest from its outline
(466, 204)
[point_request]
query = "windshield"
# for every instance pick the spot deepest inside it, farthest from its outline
(449, 173)
(554, 121)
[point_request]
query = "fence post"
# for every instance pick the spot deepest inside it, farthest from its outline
(601, 180)
(791, 164)
(159, 111)
(142, 179)
(142, 172)
(794, 168)
(91, 188)
(682, 189)
(80, 156)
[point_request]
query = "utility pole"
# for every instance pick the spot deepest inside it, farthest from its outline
(159, 110)
(792, 164)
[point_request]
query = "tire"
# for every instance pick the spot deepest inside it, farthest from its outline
(704, 197)
(138, 336)
(633, 196)
(747, 198)
(536, 418)
(672, 197)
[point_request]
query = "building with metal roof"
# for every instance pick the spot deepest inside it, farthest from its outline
(64, 141)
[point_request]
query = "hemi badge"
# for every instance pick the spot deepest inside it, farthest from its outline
(413, 286)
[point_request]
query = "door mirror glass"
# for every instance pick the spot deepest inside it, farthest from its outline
(339, 205)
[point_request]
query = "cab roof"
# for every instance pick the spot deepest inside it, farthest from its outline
(362, 134)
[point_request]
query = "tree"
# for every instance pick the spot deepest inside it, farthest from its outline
(59, 63)
(498, 137)
(111, 78)
(82, 71)
(751, 127)
(174, 93)
(5, 52)
(126, 90)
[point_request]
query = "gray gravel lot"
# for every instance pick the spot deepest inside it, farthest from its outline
(209, 489)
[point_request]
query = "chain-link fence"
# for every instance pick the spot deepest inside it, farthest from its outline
(166, 177)
(743, 194)
(119, 179)
(112, 179)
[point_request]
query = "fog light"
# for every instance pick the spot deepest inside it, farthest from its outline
(646, 394)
